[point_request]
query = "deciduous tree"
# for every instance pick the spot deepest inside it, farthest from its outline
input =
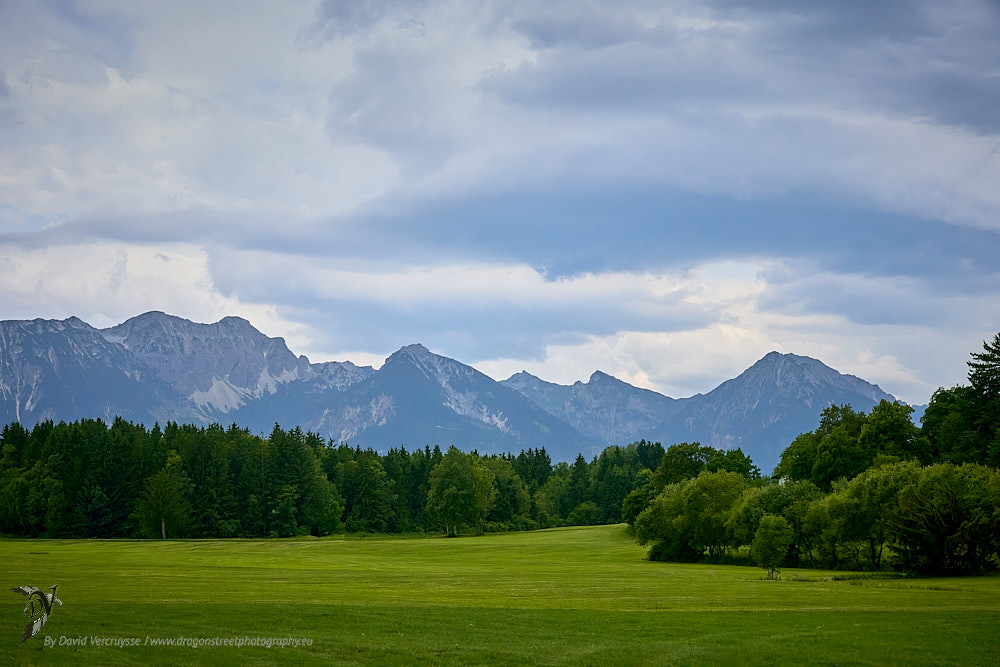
(770, 543)
(461, 491)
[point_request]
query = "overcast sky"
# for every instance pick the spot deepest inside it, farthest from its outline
(665, 191)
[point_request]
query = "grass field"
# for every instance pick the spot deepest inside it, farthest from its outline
(566, 596)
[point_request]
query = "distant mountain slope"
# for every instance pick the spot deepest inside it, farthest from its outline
(761, 411)
(604, 408)
(298, 403)
(66, 370)
(418, 398)
(767, 406)
(217, 367)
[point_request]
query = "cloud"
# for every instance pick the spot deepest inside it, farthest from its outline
(231, 122)
(754, 107)
(338, 19)
(882, 300)
(470, 310)
(665, 192)
(107, 283)
(888, 57)
(307, 113)
(683, 363)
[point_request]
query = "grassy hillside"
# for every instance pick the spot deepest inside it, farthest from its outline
(567, 596)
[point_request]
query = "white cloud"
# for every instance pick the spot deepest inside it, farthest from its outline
(682, 363)
(495, 285)
(233, 121)
(107, 283)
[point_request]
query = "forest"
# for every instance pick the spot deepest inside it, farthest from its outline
(862, 491)
(89, 479)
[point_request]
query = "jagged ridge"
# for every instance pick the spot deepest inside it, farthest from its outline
(157, 367)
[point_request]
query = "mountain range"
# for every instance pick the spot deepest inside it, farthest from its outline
(158, 367)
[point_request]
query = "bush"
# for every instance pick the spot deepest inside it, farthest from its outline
(585, 514)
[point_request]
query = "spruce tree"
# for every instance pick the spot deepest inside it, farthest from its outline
(984, 369)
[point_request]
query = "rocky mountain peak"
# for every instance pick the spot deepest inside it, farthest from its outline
(152, 319)
(600, 378)
(441, 369)
(39, 325)
(338, 374)
(526, 383)
(414, 350)
(157, 323)
(217, 366)
(774, 360)
(76, 323)
(237, 326)
(767, 405)
(797, 374)
(604, 407)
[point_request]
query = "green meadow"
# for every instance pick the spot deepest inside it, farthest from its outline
(563, 596)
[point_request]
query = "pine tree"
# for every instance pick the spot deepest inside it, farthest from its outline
(984, 369)
(165, 506)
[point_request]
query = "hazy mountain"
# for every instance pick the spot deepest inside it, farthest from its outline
(160, 367)
(66, 370)
(419, 398)
(767, 406)
(604, 408)
(298, 403)
(761, 411)
(217, 367)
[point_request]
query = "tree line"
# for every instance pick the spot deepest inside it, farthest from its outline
(91, 479)
(862, 491)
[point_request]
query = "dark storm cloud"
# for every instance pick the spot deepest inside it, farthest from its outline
(474, 328)
(589, 229)
(573, 230)
(878, 300)
(936, 60)
(920, 59)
